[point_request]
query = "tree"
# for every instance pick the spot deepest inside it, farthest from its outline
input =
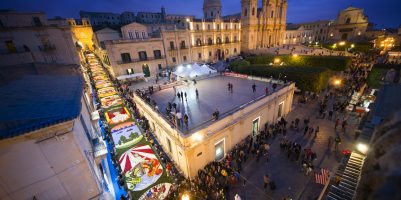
(123, 139)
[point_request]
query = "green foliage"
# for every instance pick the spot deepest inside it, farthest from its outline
(306, 78)
(133, 136)
(146, 71)
(375, 77)
(334, 63)
(239, 63)
(123, 139)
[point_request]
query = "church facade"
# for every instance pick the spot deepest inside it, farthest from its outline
(263, 27)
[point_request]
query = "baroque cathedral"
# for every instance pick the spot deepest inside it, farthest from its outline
(260, 27)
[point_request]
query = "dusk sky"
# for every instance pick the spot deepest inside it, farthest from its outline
(384, 13)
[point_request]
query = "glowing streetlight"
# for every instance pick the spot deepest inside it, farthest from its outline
(337, 82)
(363, 148)
(295, 55)
(277, 60)
(185, 197)
(352, 45)
(341, 43)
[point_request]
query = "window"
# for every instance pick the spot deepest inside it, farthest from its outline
(159, 66)
(253, 11)
(198, 42)
(219, 149)
(131, 36)
(183, 44)
(197, 27)
(235, 38)
(136, 35)
(280, 109)
(209, 41)
(36, 21)
(235, 50)
(235, 26)
(210, 54)
(142, 55)
(199, 55)
(208, 27)
(1, 24)
(226, 26)
(174, 60)
(169, 145)
(245, 12)
(157, 54)
(172, 46)
(211, 13)
(348, 20)
(272, 14)
(255, 126)
(227, 40)
(185, 58)
(145, 70)
(218, 40)
(11, 46)
(126, 57)
(218, 26)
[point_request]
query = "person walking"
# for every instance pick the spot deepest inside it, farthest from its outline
(266, 90)
(197, 93)
(185, 94)
(182, 96)
(306, 129)
(343, 125)
(316, 131)
(337, 142)
(254, 88)
(266, 180)
(186, 120)
(179, 95)
(336, 124)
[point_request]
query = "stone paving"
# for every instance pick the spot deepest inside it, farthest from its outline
(290, 181)
(200, 110)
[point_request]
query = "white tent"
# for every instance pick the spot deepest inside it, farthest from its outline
(137, 75)
(192, 70)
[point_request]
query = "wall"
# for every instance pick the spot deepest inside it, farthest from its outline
(46, 166)
(232, 129)
(116, 48)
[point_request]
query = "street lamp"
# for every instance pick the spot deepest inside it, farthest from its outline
(337, 82)
(295, 55)
(185, 197)
(363, 148)
(342, 43)
(277, 60)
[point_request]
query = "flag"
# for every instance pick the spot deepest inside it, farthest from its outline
(322, 177)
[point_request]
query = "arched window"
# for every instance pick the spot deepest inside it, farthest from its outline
(235, 50)
(245, 12)
(235, 38)
(348, 20)
(209, 41)
(218, 40)
(227, 40)
(253, 11)
(198, 42)
(272, 14)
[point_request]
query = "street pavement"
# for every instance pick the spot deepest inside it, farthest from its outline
(290, 181)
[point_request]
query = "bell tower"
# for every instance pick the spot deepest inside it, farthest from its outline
(249, 24)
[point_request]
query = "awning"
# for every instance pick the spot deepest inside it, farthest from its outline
(137, 75)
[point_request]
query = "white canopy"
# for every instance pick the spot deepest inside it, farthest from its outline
(137, 75)
(193, 70)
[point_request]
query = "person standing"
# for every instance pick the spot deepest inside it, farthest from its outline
(197, 93)
(179, 95)
(266, 180)
(254, 88)
(185, 94)
(337, 141)
(266, 90)
(306, 129)
(336, 123)
(179, 117)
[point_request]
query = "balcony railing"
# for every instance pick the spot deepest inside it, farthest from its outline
(47, 47)
(172, 48)
(184, 47)
(140, 60)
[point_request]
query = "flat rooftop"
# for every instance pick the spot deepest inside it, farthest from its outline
(213, 94)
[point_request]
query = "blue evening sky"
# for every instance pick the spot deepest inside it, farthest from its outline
(384, 13)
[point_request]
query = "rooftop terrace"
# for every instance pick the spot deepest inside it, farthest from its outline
(213, 94)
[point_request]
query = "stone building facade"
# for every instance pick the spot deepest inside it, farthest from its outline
(262, 27)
